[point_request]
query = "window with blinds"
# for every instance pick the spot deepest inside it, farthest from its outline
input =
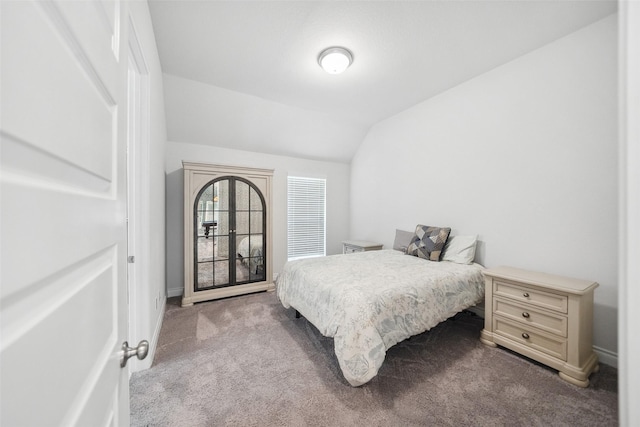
(306, 222)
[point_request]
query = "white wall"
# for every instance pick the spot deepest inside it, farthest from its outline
(209, 115)
(524, 155)
(152, 293)
(336, 174)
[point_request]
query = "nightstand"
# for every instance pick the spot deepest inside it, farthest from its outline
(545, 317)
(352, 246)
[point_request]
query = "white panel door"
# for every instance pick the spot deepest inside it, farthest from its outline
(63, 232)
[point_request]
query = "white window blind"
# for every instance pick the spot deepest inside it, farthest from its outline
(306, 217)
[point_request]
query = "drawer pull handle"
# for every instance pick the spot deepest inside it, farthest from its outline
(525, 315)
(526, 295)
(525, 335)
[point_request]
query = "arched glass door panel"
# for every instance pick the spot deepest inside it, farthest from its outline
(230, 219)
(249, 232)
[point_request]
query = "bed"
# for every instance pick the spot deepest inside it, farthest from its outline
(250, 253)
(370, 301)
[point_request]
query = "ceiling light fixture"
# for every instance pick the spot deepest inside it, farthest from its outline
(335, 60)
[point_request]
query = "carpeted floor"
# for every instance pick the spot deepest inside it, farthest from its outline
(247, 361)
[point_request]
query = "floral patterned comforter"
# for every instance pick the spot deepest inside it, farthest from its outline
(370, 301)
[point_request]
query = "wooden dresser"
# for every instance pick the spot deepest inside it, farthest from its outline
(351, 246)
(542, 316)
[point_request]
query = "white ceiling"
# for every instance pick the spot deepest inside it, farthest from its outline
(266, 52)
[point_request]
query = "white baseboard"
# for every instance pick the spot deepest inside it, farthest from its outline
(141, 365)
(477, 309)
(153, 345)
(174, 292)
(607, 357)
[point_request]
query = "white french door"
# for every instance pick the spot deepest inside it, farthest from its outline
(63, 232)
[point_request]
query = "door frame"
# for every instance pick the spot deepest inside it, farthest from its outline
(629, 211)
(138, 233)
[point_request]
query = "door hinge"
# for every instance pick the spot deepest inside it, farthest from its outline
(131, 259)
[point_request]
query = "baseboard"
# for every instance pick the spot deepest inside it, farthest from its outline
(153, 345)
(607, 357)
(477, 309)
(604, 356)
(141, 365)
(174, 292)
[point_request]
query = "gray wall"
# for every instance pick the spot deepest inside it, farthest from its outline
(524, 155)
(336, 174)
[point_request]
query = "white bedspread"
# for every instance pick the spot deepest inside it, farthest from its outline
(370, 301)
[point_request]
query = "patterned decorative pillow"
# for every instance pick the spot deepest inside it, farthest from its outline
(428, 242)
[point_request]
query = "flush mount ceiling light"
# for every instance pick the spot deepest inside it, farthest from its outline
(335, 60)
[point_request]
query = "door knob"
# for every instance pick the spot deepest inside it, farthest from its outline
(140, 351)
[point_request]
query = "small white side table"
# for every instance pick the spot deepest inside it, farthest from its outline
(352, 246)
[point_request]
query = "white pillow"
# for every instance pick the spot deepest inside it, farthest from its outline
(460, 249)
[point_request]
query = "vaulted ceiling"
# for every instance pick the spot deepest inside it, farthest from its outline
(244, 74)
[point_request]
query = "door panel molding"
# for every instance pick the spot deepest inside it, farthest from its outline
(90, 142)
(47, 320)
(31, 166)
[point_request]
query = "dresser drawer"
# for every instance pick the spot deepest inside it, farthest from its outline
(530, 296)
(529, 315)
(547, 343)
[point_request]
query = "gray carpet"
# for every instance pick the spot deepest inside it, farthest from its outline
(246, 361)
